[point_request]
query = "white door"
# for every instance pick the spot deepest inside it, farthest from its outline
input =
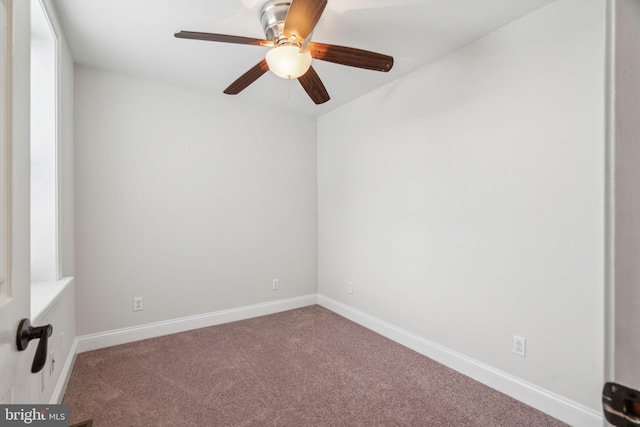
(15, 367)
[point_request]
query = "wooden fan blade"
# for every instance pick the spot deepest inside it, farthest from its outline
(302, 17)
(312, 84)
(223, 38)
(247, 78)
(351, 56)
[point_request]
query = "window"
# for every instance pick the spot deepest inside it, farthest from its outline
(44, 139)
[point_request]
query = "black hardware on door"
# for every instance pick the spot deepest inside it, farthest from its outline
(621, 405)
(26, 333)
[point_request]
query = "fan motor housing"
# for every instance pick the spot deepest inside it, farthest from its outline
(272, 16)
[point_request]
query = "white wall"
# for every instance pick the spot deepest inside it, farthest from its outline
(193, 204)
(465, 200)
(61, 315)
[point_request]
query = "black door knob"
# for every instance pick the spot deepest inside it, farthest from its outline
(26, 333)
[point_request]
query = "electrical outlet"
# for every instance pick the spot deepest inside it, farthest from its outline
(52, 362)
(519, 345)
(138, 304)
(276, 284)
(350, 287)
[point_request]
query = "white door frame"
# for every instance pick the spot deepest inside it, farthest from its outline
(622, 281)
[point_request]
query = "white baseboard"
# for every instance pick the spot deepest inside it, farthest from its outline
(557, 406)
(65, 375)
(152, 330)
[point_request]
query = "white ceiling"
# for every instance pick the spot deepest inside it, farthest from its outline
(135, 37)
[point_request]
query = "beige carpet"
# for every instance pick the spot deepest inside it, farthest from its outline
(305, 367)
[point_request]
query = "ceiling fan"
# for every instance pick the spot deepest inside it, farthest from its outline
(288, 25)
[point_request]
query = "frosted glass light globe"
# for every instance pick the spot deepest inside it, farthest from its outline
(288, 62)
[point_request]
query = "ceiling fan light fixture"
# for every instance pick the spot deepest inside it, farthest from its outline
(288, 25)
(288, 61)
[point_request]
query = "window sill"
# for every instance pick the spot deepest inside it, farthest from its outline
(45, 294)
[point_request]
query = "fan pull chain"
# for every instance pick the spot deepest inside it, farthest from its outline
(289, 88)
